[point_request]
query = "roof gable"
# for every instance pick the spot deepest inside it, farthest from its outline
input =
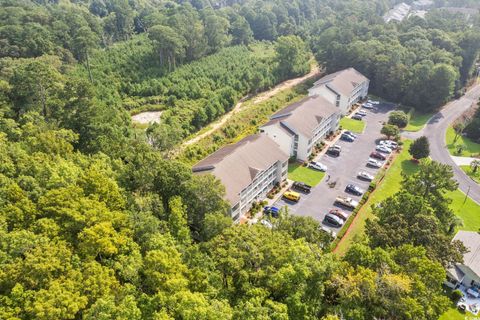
(342, 82)
(237, 165)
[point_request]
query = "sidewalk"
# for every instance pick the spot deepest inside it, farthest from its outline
(463, 161)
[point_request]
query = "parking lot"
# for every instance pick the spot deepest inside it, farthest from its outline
(342, 170)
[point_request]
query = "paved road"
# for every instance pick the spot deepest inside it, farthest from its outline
(343, 170)
(436, 130)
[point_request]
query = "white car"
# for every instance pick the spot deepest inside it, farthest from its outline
(389, 143)
(367, 106)
(362, 113)
(365, 176)
(383, 149)
(374, 163)
(330, 232)
(346, 202)
(373, 102)
(336, 147)
(267, 224)
(317, 166)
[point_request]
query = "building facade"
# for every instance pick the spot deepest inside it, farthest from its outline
(466, 274)
(299, 126)
(248, 169)
(343, 88)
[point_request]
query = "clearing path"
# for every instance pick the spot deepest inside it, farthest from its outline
(315, 71)
(147, 117)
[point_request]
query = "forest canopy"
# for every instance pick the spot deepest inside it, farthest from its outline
(96, 222)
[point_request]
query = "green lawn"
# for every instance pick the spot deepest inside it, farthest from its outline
(417, 120)
(306, 175)
(468, 170)
(352, 125)
(471, 148)
(468, 210)
(454, 314)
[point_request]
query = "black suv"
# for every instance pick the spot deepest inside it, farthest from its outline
(333, 152)
(353, 189)
(303, 187)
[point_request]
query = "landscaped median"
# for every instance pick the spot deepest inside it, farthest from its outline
(417, 120)
(470, 172)
(298, 172)
(356, 126)
(467, 146)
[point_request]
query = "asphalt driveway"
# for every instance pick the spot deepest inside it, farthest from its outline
(435, 130)
(342, 170)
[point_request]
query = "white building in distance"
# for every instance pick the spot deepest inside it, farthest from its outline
(299, 126)
(248, 169)
(468, 272)
(397, 13)
(343, 88)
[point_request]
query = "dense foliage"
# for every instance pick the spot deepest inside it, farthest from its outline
(419, 62)
(472, 129)
(96, 224)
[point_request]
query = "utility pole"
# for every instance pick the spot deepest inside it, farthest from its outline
(466, 195)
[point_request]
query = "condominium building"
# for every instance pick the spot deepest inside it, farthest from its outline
(343, 88)
(299, 126)
(248, 169)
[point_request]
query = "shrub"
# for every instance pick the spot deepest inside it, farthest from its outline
(456, 295)
(391, 131)
(398, 118)
(420, 148)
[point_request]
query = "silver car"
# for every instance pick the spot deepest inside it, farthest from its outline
(317, 166)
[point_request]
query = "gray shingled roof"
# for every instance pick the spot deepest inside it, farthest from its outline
(236, 165)
(342, 82)
(471, 240)
(304, 116)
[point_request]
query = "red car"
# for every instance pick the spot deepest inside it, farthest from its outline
(378, 155)
(339, 213)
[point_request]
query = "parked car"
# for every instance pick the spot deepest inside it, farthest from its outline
(267, 224)
(300, 186)
(373, 101)
(273, 211)
(357, 117)
(292, 196)
(350, 133)
(333, 152)
(347, 137)
(374, 163)
(317, 166)
(333, 220)
(383, 148)
(337, 147)
(367, 105)
(365, 176)
(362, 113)
(353, 189)
(378, 155)
(339, 213)
(346, 202)
(388, 143)
(330, 232)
